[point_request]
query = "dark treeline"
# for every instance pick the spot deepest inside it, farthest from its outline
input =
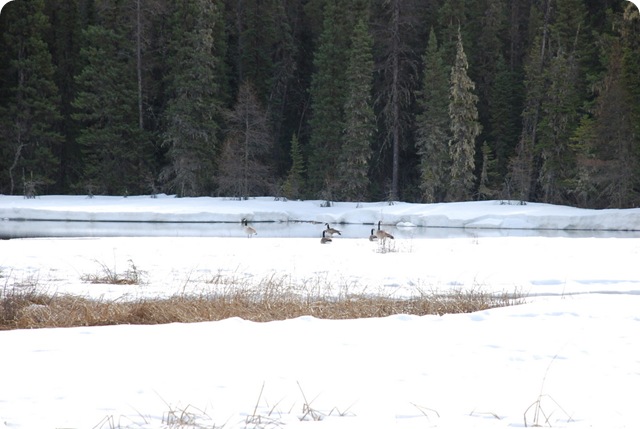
(415, 100)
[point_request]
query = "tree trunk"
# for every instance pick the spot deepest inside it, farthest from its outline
(543, 45)
(16, 159)
(524, 158)
(139, 64)
(395, 100)
(245, 175)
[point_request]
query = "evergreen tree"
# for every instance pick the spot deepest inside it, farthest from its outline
(244, 167)
(465, 128)
(433, 125)
(64, 36)
(194, 109)
(294, 183)
(557, 125)
(608, 146)
(29, 110)
(488, 66)
(505, 107)
(147, 70)
(114, 149)
(520, 180)
(489, 45)
(452, 15)
(261, 46)
(569, 30)
(556, 92)
(397, 66)
(516, 33)
(609, 161)
(630, 41)
(486, 185)
(564, 97)
(327, 102)
(283, 94)
(359, 117)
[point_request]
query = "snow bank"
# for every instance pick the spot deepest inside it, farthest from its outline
(164, 208)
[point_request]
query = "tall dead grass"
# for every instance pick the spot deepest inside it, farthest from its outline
(271, 299)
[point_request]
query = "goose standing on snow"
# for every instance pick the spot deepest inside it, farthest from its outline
(330, 231)
(382, 234)
(325, 239)
(249, 230)
(373, 236)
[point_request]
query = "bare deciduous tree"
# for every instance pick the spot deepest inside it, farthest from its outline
(243, 169)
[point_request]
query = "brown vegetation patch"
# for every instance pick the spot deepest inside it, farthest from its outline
(25, 308)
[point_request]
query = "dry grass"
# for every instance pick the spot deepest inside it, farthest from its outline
(110, 275)
(273, 298)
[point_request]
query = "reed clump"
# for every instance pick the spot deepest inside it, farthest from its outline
(271, 299)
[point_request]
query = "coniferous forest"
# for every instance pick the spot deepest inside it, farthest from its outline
(414, 100)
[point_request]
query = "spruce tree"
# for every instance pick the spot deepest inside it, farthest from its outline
(607, 143)
(294, 183)
(556, 93)
(359, 117)
(488, 48)
(564, 96)
(114, 149)
(193, 113)
(465, 127)
(29, 110)
(505, 107)
(488, 175)
(64, 37)
(608, 162)
(433, 125)
(452, 14)
(559, 119)
(488, 67)
(327, 102)
(520, 183)
(262, 48)
(284, 89)
(630, 40)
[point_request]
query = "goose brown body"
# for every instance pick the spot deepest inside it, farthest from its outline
(331, 231)
(382, 234)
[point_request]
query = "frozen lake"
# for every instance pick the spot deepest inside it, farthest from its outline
(42, 229)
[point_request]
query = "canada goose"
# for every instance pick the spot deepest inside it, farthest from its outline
(373, 236)
(249, 230)
(331, 231)
(382, 234)
(325, 239)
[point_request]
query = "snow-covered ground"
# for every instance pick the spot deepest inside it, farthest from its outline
(164, 208)
(573, 348)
